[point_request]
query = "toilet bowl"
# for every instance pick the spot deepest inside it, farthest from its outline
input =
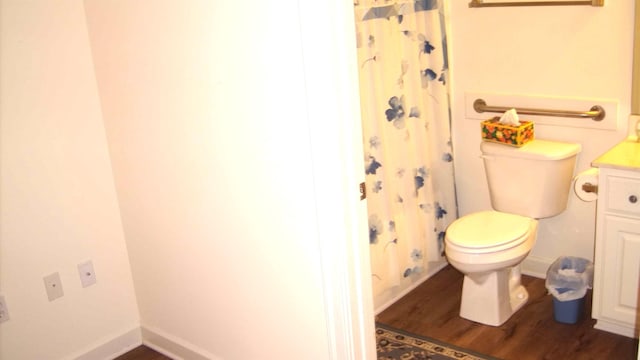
(488, 247)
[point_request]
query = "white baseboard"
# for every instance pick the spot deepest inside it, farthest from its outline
(172, 346)
(155, 339)
(429, 274)
(536, 266)
(616, 328)
(115, 347)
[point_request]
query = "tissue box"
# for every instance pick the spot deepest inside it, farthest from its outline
(492, 130)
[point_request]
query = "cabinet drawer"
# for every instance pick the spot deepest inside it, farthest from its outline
(623, 194)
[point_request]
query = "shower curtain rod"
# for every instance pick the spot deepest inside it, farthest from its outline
(596, 113)
(480, 3)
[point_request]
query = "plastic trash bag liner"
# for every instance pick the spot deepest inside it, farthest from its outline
(569, 278)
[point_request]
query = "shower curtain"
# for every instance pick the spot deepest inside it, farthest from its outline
(407, 140)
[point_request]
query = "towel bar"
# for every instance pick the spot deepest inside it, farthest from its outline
(596, 112)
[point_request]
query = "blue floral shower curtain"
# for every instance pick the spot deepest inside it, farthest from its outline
(407, 140)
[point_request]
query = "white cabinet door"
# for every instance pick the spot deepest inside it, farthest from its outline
(621, 257)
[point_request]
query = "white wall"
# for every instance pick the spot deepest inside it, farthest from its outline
(563, 51)
(205, 107)
(214, 184)
(57, 196)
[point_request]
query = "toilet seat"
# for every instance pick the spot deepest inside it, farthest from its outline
(488, 231)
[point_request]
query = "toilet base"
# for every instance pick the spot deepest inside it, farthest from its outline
(491, 298)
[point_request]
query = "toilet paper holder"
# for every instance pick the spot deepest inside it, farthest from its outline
(590, 188)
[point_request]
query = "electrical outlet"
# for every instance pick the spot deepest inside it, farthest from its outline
(4, 310)
(87, 274)
(53, 286)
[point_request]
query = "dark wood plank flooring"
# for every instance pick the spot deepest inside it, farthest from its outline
(142, 353)
(531, 333)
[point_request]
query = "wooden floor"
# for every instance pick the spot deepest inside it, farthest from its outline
(531, 333)
(142, 353)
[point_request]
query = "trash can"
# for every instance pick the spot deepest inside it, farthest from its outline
(568, 280)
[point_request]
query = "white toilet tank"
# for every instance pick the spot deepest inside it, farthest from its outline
(533, 180)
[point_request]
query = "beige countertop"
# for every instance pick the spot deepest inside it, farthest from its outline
(624, 156)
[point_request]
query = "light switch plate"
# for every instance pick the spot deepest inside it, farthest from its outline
(53, 286)
(87, 274)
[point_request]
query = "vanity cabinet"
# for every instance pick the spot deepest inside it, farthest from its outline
(617, 251)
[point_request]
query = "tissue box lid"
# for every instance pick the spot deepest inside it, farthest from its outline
(493, 131)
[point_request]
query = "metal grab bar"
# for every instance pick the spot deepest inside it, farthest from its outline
(480, 3)
(596, 112)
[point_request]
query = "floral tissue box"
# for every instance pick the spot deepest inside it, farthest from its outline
(492, 130)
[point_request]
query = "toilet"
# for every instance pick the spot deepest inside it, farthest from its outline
(525, 183)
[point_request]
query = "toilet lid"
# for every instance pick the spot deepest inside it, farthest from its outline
(488, 229)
